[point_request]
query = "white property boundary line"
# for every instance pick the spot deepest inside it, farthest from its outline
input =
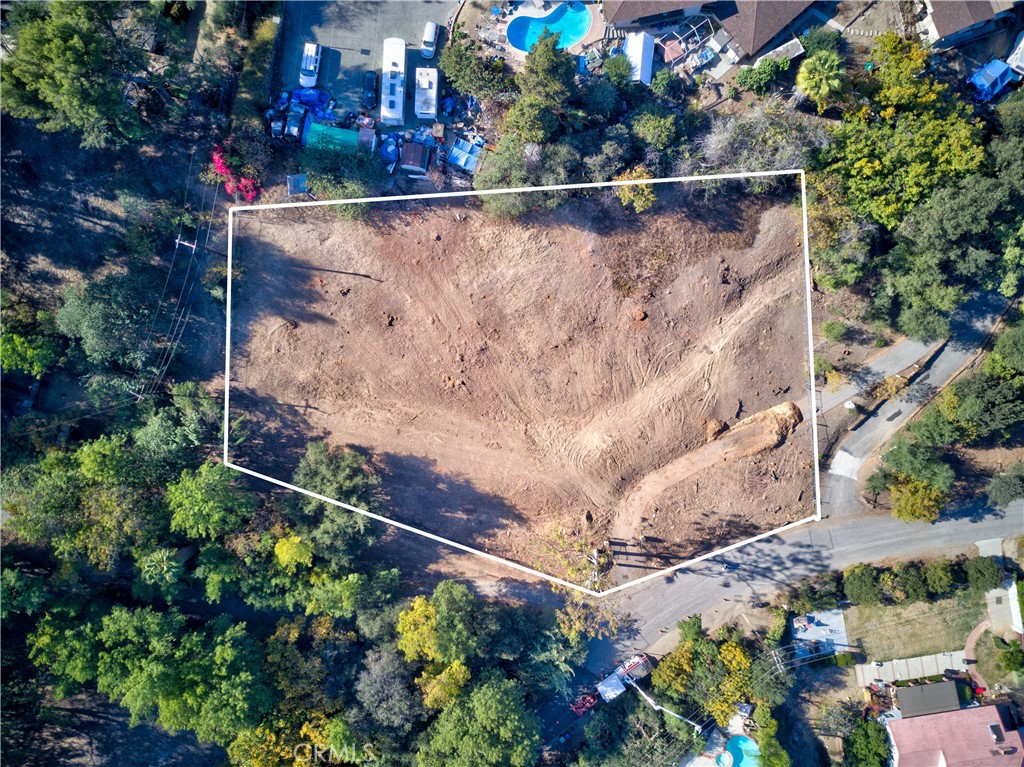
(811, 393)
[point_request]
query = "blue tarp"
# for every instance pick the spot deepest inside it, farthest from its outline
(319, 102)
(389, 149)
(465, 155)
(988, 82)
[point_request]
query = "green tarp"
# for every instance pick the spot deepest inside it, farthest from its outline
(326, 137)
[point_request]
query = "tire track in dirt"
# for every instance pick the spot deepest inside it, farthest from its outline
(762, 431)
(587, 451)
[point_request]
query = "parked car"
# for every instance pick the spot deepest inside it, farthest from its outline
(370, 89)
(429, 45)
(309, 70)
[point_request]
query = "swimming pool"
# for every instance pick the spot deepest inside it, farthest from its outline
(740, 751)
(571, 19)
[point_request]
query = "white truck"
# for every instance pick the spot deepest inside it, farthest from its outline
(426, 93)
(392, 82)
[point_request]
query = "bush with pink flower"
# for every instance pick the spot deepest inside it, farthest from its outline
(240, 163)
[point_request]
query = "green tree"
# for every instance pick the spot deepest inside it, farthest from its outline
(772, 752)
(938, 576)
(1007, 487)
(456, 611)
(821, 78)
(1006, 360)
(919, 462)
(867, 745)
(911, 581)
(342, 474)
(640, 196)
(983, 573)
(833, 330)
(386, 692)
(208, 502)
(70, 70)
(20, 592)
(912, 138)
(760, 78)
(109, 317)
(491, 727)
(33, 354)
(160, 567)
(860, 584)
(549, 74)
(469, 73)
(915, 501)
(655, 129)
(619, 71)
(531, 119)
(932, 428)
(665, 83)
(417, 631)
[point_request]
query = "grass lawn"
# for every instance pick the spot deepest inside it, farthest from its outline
(907, 631)
(988, 665)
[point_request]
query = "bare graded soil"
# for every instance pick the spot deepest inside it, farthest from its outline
(514, 379)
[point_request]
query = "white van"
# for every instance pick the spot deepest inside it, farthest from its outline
(309, 70)
(429, 45)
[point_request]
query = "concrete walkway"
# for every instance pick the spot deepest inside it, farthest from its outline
(910, 668)
(971, 656)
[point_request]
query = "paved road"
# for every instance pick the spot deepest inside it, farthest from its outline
(852, 533)
(351, 34)
(765, 567)
(970, 327)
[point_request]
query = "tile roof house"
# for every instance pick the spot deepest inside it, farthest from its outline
(754, 24)
(949, 23)
(983, 736)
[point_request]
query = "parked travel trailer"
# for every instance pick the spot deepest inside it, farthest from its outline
(426, 93)
(392, 82)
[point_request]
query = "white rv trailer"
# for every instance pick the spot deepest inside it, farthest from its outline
(392, 82)
(426, 93)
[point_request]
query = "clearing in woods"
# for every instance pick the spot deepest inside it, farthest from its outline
(583, 383)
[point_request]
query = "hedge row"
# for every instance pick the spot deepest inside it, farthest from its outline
(254, 81)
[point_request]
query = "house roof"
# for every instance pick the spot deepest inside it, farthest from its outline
(755, 23)
(950, 16)
(969, 737)
(925, 699)
(620, 11)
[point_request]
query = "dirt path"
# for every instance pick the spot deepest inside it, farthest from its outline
(971, 657)
(762, 431)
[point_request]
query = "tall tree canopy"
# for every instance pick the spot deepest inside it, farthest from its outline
(72, 67)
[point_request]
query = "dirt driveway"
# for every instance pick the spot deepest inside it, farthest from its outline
(515, 380)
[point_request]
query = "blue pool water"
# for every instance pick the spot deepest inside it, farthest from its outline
(572, 20)
(744, 753)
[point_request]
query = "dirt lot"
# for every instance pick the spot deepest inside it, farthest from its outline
(561, 372)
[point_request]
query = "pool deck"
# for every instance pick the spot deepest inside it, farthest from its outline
(527, 9)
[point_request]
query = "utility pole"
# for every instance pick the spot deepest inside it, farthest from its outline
(194, 246)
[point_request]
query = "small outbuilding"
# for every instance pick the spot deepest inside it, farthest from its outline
(639, 51)
(415, 157)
